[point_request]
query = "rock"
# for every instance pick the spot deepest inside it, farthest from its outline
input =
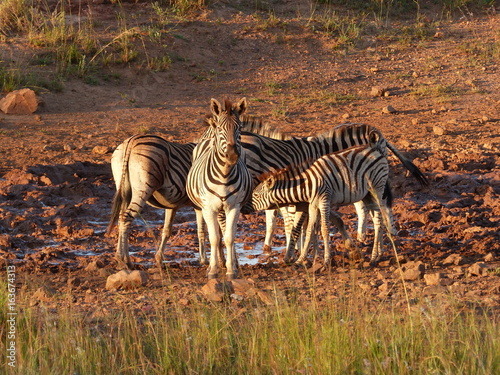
(44, 294)
(74, 282)
(101, 150)
(388, 110)
(19, 102)
(412, 274)
(5, 242)
(478, 269)
(377, 91)
(490, 257)
(415, 75)
(439, 130)
(413, 270)
(455, 259)
(126, 280)
(345, 116)
(415, 121)
(217, 291)
(94, 266)
(433, 278)
(243, 287)
(69, 147)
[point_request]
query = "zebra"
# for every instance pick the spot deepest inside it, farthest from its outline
(149, 169)
(264, 155)
(219, 181)
(359, 173)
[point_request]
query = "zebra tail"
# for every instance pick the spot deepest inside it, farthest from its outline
(409, 165)
(123, 194)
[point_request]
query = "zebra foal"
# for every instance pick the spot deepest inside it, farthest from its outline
(358, 173)
(219, 181)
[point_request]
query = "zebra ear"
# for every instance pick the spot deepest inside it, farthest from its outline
(374, 137)
(270, 182)
(241, 106)
(215, 107)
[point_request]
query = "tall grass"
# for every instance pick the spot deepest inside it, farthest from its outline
(290, 337)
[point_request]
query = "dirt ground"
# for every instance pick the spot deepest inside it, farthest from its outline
(56, 186)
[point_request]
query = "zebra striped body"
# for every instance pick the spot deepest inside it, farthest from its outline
(357, 174)
(147, 168)
(219, 181)
(264, 155)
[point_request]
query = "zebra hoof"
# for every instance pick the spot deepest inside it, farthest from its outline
(373, 263)
(212, 276)
(231, 276)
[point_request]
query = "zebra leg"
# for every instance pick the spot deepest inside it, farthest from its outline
(200, 227)
(298, 223)
(270, 228)
(349, 244)
(221, 218)
(231, 258)
(361, 210)
(311, 224)
(214, 237)
(377, 241)
(165, 235)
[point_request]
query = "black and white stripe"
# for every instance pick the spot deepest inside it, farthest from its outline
(358, 173)
(219, 181)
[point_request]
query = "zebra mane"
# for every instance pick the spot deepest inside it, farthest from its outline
(256, 125)
(290, 172)
(330, 133)
(250, 124)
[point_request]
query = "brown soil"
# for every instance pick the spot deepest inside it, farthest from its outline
(56, 189)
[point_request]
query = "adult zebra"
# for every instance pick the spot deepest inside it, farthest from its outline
(149, 169)
(356, 174)
(219, 181)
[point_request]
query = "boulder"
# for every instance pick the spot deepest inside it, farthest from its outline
(19, 102)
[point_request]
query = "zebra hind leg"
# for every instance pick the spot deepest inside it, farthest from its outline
(165, 235)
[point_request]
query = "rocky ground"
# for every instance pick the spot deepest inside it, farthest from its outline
(436, 98)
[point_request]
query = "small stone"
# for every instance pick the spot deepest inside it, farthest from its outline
(415, 75)
(19, 102)
(389, 109)
(69, 147)
(216, 291)
(377, 91)
(433, 278)
(415, 121)
(126, 280)
(242, 287)
(94, 266)
(101, 150)
(485, 119)
(345, 116)
(453, 259)
(387, 93)
(74, 282)
(439, 130)
(478, 269)
(489, 257)
(438, 34)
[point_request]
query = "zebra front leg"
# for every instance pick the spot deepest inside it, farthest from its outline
(165, 235)
(214, 237)
(361, 210)
(231, 257)
(270, 228)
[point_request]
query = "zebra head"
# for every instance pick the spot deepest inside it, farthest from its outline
(227, 127)
(262, 195)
